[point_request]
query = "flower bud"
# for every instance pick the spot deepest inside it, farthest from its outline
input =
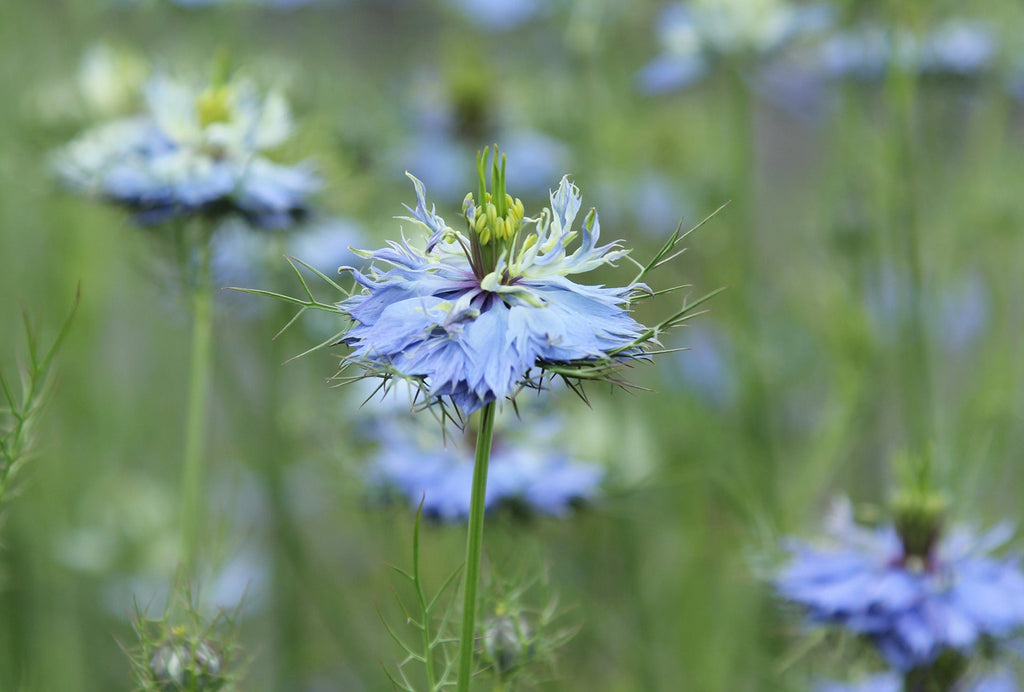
(506, 643)
(179, 664)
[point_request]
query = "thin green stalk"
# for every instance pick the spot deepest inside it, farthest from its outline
(474, 545)
(749, 278)
(195, 424)
(901, 93)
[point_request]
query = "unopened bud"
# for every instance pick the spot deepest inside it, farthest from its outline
(180, 665)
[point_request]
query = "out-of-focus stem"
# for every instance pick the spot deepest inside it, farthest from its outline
(196, 415)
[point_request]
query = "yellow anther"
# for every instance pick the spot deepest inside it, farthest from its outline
(499, 229)
(481, 221)
(530, 241)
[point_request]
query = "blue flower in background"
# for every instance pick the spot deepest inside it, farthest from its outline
(955, 48)
(705, 366)
(893, 682)
(882, 682)
(470, 316)
(440, 158)
(957, 313)
(453, 121)
(498, 15)
(528, 468)
(327, 244)
(195, 150)
(913, 608)
(695, 34)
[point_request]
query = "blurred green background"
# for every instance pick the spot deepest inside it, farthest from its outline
(801, 383)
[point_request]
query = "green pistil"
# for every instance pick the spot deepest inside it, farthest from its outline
(919, 516)
(214, 105)
(494, 217)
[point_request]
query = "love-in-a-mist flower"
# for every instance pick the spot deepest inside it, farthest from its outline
(475, 315)
(196, 149)
(696, 34)
(915, 597)
(1001, 681)
(529, 468)
(954, 48)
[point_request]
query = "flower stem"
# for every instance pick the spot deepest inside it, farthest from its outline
(901, 91)
(196, 416)
(474, 544)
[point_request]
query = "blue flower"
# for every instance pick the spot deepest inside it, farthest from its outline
(1001, 681)
(498, 15)
(527, 468)
(913, 608)
(470, 316)
(195, 150)
(442, 141)
(327, 243)
(955, 48)
(695, 34)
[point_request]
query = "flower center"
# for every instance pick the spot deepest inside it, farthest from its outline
(494, 217)
(215, 105)
(490, 224)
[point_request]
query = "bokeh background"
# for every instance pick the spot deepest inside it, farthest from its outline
(856, 202)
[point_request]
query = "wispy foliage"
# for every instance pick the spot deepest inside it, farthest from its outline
(25, 399)
(436, 648)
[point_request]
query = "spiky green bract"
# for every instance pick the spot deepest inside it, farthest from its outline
(435, 649)
(185, 649)
(22, 410)
(522, 629)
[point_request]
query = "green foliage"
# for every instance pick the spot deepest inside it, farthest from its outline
(19, 419)
(436, 649)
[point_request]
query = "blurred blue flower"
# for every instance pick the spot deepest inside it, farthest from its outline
(196, 150)
(953, 48)
(695, 34)
(327, 244)
(912, 608)
(705, 366)
(957, 313)
(892, 682)
(440, 159)
(528, 469)
(648, 201)
(474, 329)
(881, 682)
(442, 143)
(498, 15)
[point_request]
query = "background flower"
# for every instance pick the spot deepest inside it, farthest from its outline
(195, 150)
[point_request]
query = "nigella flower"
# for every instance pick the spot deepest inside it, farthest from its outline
(1001, 681)
(451, 118)
(695, 34)
(195, 150)
(528, 469)
(474, 316)
(955, 48)
(498, 15)
(914, 604)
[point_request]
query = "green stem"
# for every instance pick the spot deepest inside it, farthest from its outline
(901, 92)
(474, 545)
(195, 425)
